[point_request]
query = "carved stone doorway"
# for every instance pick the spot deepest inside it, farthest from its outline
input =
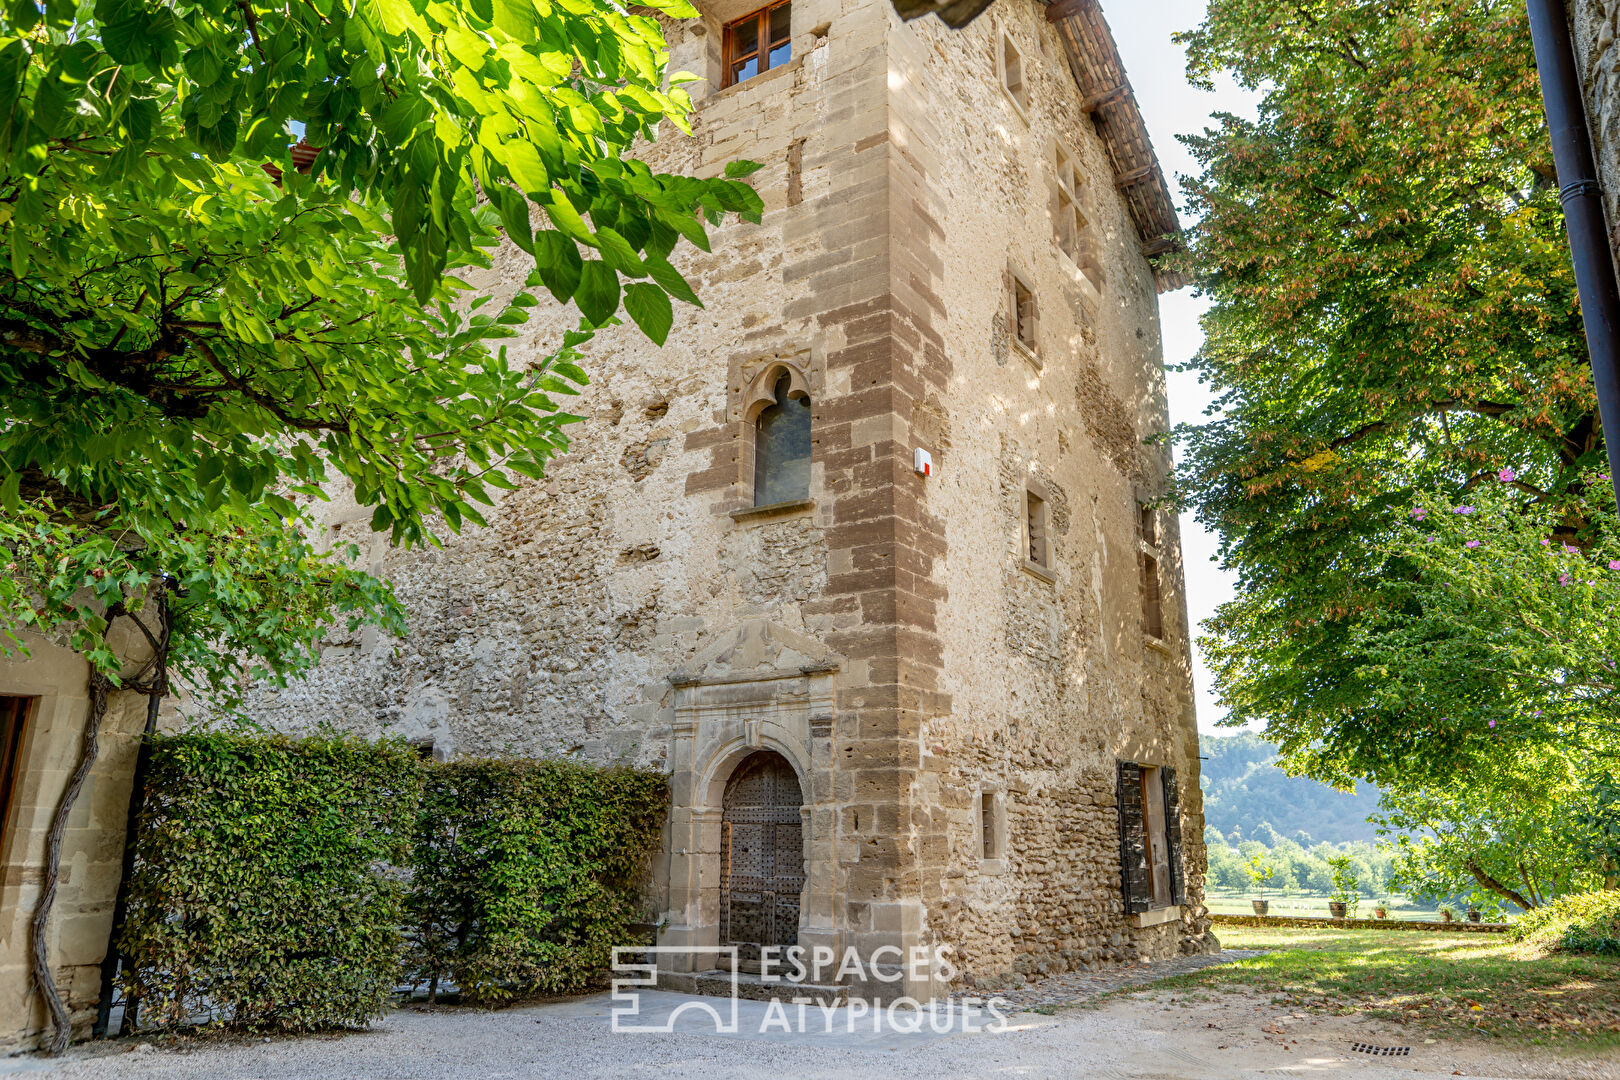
(761, 856)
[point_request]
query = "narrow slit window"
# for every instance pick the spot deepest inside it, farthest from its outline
(1150, 526)
(1037, 545)
(990, 827)
(782, 448)
(1012, 73)
(1152, 610)
(758, 42)
(1024, 313)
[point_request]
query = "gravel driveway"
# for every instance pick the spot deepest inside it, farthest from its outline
(1145, 1036)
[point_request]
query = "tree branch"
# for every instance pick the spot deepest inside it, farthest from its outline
(1495, 886)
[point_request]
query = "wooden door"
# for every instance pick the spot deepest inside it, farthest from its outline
(761, 855)
(13, 716)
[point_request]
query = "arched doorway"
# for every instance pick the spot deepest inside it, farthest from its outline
(761, 855)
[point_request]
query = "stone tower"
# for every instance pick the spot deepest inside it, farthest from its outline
(898, 706)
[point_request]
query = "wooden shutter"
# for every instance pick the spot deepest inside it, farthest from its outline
(1135, 887)
(1172, 835)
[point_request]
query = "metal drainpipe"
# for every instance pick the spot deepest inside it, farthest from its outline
(1583, 212)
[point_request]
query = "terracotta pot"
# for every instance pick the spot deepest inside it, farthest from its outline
(1261, 906)
(1337, 909)
(1446, 916)
(1380, 913)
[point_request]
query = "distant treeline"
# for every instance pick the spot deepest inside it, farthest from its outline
(1243, 786)
(1297, 869)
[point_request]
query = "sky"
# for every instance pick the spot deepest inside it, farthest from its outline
(1171, 107)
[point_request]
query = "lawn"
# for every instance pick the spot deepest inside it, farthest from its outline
(1234, 902)
(1445, 982)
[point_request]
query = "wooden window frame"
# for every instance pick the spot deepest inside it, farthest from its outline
(1020, 90)
(1152, 598)
(1026, 324)
(1140, 837)
(1037, 530)
(762, 43)
(1071, 226)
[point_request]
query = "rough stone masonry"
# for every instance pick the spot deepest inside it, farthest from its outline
(959, 713)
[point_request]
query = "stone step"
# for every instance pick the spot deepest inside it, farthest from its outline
(750, 987)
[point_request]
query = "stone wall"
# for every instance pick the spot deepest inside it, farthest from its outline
(54, 677)
(634, 606)
(1596, 30)
(1049, 681)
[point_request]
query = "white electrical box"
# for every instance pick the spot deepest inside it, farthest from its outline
(923, 462)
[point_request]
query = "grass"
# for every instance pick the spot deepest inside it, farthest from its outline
(1233, 902)
(1443, 982)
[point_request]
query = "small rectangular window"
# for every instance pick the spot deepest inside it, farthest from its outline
(1152, 611)
(1150, 526)
(1012, 74)
(1037, 545)
(757, 42)
(1023, 298)
(989, 848)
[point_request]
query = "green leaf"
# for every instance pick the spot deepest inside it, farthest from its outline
(598, 295)
(670, 279)
(617, 253)
(736, 170)
(558, 263)
(649, 306)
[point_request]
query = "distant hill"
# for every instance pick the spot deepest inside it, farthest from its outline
(1243, 787)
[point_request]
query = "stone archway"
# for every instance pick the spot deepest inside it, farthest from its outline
(761, 855)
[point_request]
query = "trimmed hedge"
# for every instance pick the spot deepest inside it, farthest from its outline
(258, 896)
(1586, 922)
(526, 873)
(295, 884)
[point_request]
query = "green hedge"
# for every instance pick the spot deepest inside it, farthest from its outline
(1586, 922)
(526, 873)
(294, 884)
(260, 894)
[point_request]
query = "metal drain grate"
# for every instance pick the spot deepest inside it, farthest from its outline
(1383, 1051)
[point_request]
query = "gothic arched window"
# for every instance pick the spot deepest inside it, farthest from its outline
(782, 446)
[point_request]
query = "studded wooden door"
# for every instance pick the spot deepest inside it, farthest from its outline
(761, 855)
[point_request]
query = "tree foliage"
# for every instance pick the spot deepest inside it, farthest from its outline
(259, 893)
(203, 323)
(1393, 313)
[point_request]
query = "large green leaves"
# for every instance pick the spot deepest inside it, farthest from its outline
(204, 329)
(1393, 311)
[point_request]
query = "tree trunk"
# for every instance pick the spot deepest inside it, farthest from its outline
(100, 685)
(1496, 886)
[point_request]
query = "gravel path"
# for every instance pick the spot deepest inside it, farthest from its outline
(1076, 987)
(1141, 1037)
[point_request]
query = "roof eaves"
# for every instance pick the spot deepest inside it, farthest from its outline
(1106, 95)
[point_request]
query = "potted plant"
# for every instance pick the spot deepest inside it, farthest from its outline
(1380, 912)
(1447, 913)
(1474, 914)
(1346, 888)
(1260, 870)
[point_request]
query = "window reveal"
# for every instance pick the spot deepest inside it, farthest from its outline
(782, 448)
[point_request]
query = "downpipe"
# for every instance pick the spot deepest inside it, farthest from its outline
(1583, 212)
